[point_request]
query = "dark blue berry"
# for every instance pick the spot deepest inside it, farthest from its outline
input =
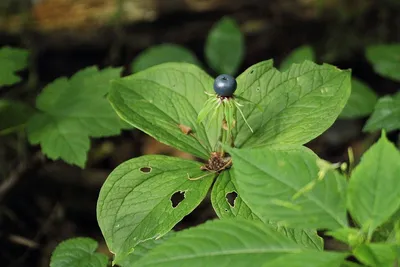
(225, 85)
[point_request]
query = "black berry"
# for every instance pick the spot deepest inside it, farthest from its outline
(225, 85)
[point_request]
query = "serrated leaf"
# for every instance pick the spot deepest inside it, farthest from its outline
(310, 258)
(224, 47)
(374, 187)
(361, 102)
(142, 249)
(135, 205)
(377, 254)
(13, 115)
(160, 99)
(11, 61)
(71, 111)
(298, 55)
(298, 104)
(163, 53)
(270, 180)
(385, 59)
(228, 242)
(78, 252)
(386, 115)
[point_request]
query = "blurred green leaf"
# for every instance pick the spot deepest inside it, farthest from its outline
(224, 48)
(71, 111)
(78, 252)
(163, 53)
(374, 187)
(11, 61)
(361, 102)
(377, 254)
(13, 115)
(298, 55)
(386, 115)
(385, 59)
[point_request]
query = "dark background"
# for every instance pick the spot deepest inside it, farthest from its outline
(43, 202)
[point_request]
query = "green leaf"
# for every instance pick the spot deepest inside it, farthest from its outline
(13, 115)
(361, 102)
(11, 61)
(350, 236)
(71, 111)
(298, 55)
(228, 242)
(161, 99)
(135, 201)
(385, 59)
(285, 186)
(386, 115)
(377, 254)
(78, 252)
(224, 48)
(224, 186)
(142, 249)
(298, 105)
(163, 53)
(374, 187)
(310, 258)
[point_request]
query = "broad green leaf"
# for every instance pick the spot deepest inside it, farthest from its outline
(71, 111)
(286, 186)
(309, 259)
(13, 115)
(142, 249)
(161, 99)
(78, 252)
(385, 59)
(377, 254)
(297, 105)
(374, 187)
(163, 53)
(386, 115)
(350, 236)
(220, 243)
(298, 55)
(361, 102)
(224, 48)
(221, 190)
(11, 61)
(135, 201)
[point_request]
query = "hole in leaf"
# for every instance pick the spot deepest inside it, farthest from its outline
(177, 198)
(251, 72)
(145, 169)
(230, 197)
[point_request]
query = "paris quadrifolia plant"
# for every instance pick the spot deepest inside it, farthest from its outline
(274, 198)
(271, 194)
